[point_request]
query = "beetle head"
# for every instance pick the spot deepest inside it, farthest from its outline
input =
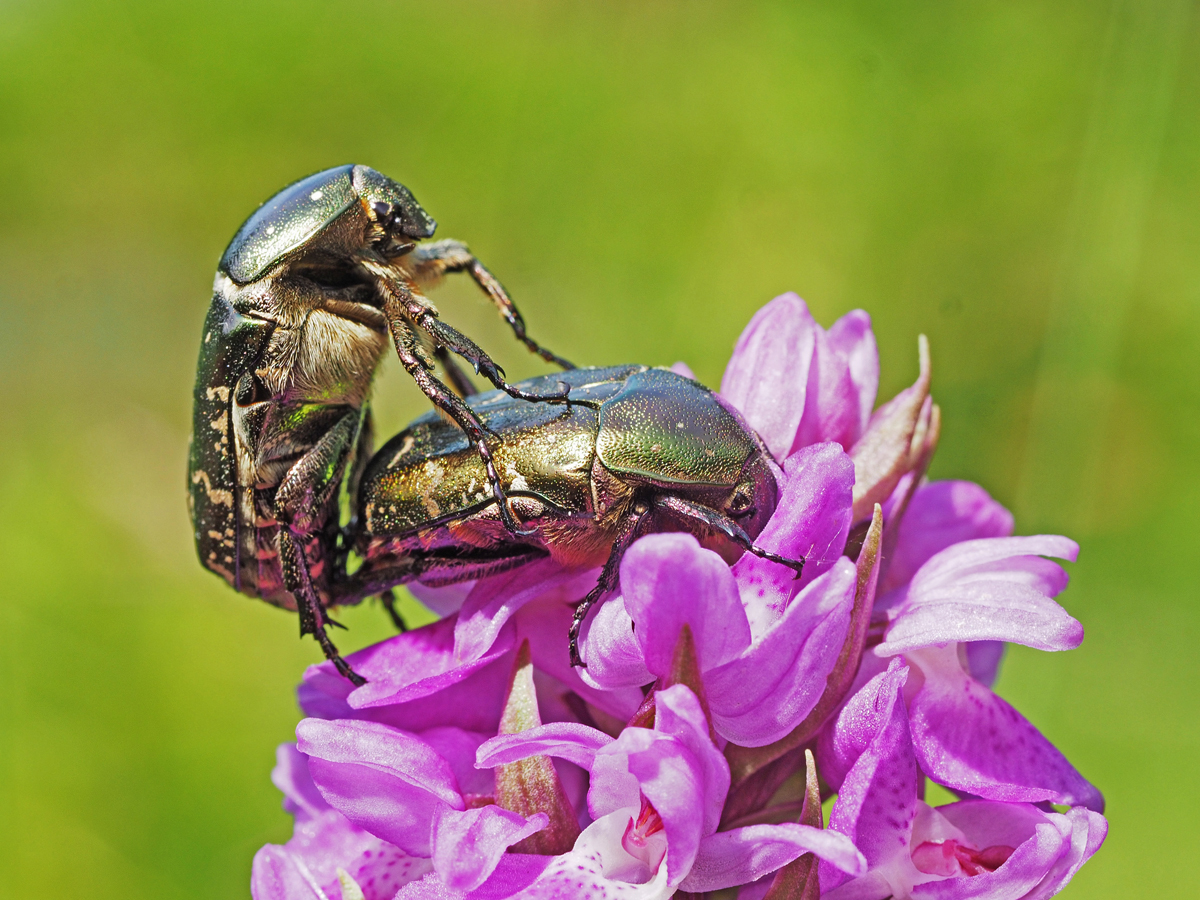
(392, 208)
(751, 503)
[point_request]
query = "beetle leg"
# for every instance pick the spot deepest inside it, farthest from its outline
(402, 296)
(450, 403)
(712, 520)
(431, 261)
(631, 529)
(453, 339)
(312, 617)
(454, 374)
(372, 579)
(307, 488)
(388, 599)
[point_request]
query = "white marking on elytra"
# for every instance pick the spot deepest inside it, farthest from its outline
(270, 229)
(316, 195)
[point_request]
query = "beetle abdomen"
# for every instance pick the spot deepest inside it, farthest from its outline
(231, 345)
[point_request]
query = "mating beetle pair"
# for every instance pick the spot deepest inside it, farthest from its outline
(304, 298)
(637, 450)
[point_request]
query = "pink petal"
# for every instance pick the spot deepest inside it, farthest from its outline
(940, 514)
(1088, 831)
(678, 713)
(741, 855)
(513, 875)
(672, 779)
(877, 800)
(278, 875)
(546, 623)
(832, 404)
(444, 600)
(473, 704)
(767, 376)
(300, 796)
(608, 643)
(852, 338)
(767, 691)
(811, 520)
(1029, 864)
(969, 739)
(992, 555)
(417, 664)
(494, 600)
(983, 660)
(848, 736)
(682, 368)
(459, 749)
(669, 581)
(566, 740)
(596, 869)
(468, 844)
(987, 589)
(381, 779)
(308, 863)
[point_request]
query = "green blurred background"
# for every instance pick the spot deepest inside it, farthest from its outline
(1017, 180)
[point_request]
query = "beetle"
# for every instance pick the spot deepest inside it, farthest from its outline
(637, 450)
(303, 300)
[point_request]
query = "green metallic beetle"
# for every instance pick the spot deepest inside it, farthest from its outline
(636, 450)
(303, 301)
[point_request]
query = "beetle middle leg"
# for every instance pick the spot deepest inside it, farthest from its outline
(631, 529)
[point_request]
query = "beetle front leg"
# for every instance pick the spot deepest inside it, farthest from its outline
(711, 520)
(631, 529)
(449, 402)
(403, 301)
(454, 374)
(431, 261)
(452, 339)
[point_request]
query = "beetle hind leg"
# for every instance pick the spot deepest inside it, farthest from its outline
(313, 618)
(388, 599)
(308, 489)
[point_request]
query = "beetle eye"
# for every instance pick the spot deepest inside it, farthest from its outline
(741, 504)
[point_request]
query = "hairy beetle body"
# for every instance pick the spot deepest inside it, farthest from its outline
(636, 450)
(303, 301)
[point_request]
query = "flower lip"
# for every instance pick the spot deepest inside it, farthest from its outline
(951, 858)
(644, 836)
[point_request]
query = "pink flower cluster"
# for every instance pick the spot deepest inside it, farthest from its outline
(476, 763)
